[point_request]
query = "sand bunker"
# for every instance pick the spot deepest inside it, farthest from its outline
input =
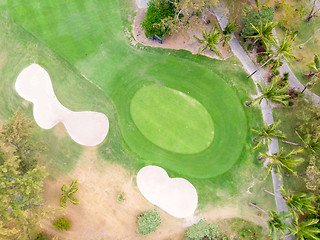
(176, 196)
(86, 128)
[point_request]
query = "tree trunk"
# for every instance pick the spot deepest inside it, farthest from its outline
(275, 195)
(254, 205)
(170, 1)
(261, 66)
(254, 43)
(312, 12)
(291, 143)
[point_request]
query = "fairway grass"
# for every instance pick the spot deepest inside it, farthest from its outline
(77, 38)
(172, 120)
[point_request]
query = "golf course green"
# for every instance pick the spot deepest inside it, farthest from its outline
(203, 126)
(171, 119)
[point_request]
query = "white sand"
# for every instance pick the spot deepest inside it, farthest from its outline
(142, 3)
(176, 196)
(86, 128)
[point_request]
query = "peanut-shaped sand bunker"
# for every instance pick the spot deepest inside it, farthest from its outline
(86, 128)
(176, 196)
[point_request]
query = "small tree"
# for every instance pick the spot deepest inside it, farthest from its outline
(263, 33)
(285, 160)
(267, 133)
(313, 12)
(277, 223)
(158, 14)
(226, 33)
(148, 222)
(254, 17)
(210, 40)
(17, 133)
(314, 76)
(203, 230)
(273, 92)
(62, 224)
(67, 193)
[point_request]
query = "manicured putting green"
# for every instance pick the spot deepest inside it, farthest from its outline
(171, 119)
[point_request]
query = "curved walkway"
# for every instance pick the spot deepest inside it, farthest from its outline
(266, 110)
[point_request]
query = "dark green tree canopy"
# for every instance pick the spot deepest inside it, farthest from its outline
(17, 134)
(256, 18)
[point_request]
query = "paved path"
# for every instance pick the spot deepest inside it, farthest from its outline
(266, 110)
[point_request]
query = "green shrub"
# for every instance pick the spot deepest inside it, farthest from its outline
(62, 224)
(260, 59)
(275, 72)
(158, 10)
(149, 222)
(41, 237)
(121, 197)
(249, 47)
(254, 17)
(203, 230)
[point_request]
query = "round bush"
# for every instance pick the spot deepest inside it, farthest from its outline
(149, 222)
(62, 224)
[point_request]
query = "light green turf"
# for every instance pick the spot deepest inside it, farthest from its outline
(171, 119)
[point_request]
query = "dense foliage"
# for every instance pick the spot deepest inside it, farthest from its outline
(21, 185)
(149, 222)
(62, 224)
(17, 134)
(203, 230)
(155, 22)
(254, 17)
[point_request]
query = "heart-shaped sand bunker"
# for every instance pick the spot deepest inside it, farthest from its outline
(176, 196)
(86, 128)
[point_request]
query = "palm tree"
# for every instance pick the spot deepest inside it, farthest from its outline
(68, 194)
(283, 50)
(211, 41)
(315, 72)
(281, 159)
(305, 229)
(226, 33)
(263, 33)
(310, 143)
(277, 221)
(273, 92)
(299, 202)
(267, 133)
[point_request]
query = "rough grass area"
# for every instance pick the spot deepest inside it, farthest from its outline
(93, 66)
(289, 123)
(240, 229)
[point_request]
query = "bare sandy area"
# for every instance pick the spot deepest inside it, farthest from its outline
(100, 216)
(178, 40)
(176, 196)
(86, 128)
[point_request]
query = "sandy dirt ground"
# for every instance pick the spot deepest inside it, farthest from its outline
(101, 216)
(178, 40)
